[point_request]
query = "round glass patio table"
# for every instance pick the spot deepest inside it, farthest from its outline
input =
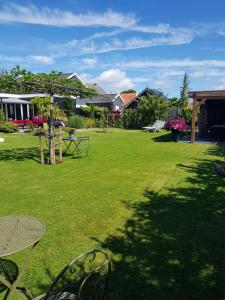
(16, 234)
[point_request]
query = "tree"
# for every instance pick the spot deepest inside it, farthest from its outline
(183, 109)
(184, 90)
(181, 104)
(128, 91)
(21, 81)
(68, 106)
(43, 106)
(151, 108)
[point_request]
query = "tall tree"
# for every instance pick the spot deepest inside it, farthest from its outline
(184, 90)
(22, 81)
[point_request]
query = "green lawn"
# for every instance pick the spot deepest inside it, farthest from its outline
(155, 205)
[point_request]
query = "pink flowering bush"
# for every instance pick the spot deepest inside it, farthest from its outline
(178, 124)
(38, 120)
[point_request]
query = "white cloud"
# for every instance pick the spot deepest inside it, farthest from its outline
(207, 73)
(183, 63)
(89, 46)
(89, 62)
(141, 79)
(220, 86)
(113, 80)
(45, 60)
(11, 59)
(163, 83)
(31, 14)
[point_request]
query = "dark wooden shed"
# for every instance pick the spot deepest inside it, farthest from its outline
(209, 114)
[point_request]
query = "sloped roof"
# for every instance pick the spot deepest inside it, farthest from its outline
(100, 99)
(74, 76)
(99, 90)
(198, 95)
(145, 91)
(127, 97)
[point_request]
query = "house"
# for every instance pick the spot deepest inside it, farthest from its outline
(74, 76)
(211, 116)
(122, 99)
(133, 103)
(18, 106)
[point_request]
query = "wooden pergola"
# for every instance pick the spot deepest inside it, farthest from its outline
(199, 99)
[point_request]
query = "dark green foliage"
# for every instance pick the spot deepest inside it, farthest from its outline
(128, 91)
(8, 127)
(152, 108)
(86, 111)
(93, 112)
(131, 118)
(102, 120)
(21, 81)
(180, 105)
(184, 89)
(68, 106)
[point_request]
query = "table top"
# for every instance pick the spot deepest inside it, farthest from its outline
(18, 233)
(76, 138)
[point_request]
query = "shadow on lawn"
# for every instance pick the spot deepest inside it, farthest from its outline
(173, 245)
(167, 137)
(20, 154)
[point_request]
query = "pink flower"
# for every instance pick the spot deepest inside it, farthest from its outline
(179, 124)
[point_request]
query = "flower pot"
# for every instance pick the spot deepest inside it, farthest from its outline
(175, 134)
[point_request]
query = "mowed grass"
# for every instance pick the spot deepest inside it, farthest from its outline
(90, 202)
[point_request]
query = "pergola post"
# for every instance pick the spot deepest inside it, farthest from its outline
(21, 111)
(193, 121)
(15, 116)
(28, 112)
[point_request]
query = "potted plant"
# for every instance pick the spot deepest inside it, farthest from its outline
(176, 126)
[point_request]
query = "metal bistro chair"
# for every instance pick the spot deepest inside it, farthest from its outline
(85, 278)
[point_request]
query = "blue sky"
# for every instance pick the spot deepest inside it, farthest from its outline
(118, 44)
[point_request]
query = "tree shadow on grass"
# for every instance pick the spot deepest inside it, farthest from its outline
(20, 154)
(167, 137)
(173, 245)
(162, 138)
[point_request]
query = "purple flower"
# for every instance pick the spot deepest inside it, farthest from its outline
(178, 124)
(38, 120)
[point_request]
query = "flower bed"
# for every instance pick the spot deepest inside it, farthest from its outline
(22, 122)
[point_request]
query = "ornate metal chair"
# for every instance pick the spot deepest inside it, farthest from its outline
(85, 278)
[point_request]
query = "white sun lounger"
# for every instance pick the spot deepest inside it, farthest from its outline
(157, 126)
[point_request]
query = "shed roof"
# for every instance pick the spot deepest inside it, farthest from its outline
(199, 95)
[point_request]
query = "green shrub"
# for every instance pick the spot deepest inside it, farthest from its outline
(93, 112)
(131, 119)
(89, 123)
(2, 116)
(8, 127)
(86, 111)
(118, 122)
(76, 121)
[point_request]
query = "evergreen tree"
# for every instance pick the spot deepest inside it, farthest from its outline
(184, 90)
